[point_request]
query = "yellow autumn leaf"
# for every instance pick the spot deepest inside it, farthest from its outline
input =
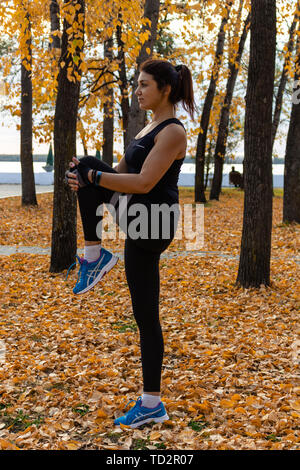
(72, 445)
(101, 414)
(7, 445)
(240, 409)
(224, 403)
(155, 435)
(295, 405)
(124, 426)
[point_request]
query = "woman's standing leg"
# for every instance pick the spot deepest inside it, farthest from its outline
(142, 272)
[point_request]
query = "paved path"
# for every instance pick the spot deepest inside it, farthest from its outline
(8, 250)
(9, 190)
(38, 250)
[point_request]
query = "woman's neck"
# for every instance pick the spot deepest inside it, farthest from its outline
(160, 115)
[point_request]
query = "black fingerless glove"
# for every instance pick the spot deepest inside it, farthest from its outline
(83, 170)
(79, 178)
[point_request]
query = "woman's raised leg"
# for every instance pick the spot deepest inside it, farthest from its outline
(97, 261)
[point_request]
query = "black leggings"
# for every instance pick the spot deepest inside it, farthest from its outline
(141, 259)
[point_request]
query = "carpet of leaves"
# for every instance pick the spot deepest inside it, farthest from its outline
(231, 366)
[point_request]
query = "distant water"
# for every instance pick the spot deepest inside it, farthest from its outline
(15, 167)
(10, 173)
(278, 169)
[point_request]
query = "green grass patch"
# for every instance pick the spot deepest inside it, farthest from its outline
(123, 327)
(81, 409)
(273, 438)
(278, 192)
(141, 444)
(198, 425)
(21, 421)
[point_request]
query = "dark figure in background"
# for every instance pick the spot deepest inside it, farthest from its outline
(236, 178)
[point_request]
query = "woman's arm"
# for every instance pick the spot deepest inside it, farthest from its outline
(170, 143)
(121, 167)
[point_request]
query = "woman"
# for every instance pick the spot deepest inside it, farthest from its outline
(148, 174)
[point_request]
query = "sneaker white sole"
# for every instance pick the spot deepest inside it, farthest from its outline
(103, 271)
(161, 419)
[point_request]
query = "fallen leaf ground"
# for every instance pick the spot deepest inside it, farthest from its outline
(231, 365)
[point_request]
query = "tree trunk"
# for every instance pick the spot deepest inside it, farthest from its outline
(284, 75)
(208, 162)
(55, 24)
(291, 192)
(220, 149)
(85, 150)
(108, 121)
(125, 106)
(81, 132)
(63, 248)
(204, 123)
(27, 171)
(136, 115)
(254, 267)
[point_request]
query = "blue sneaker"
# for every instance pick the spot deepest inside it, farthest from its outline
(91, 273)
(139, 414)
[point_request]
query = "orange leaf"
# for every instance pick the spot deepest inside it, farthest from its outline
(240, 409)
(101, 414)
(296, 405)
(227, 403)
(6, 445)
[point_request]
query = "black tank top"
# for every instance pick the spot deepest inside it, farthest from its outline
(166, 190)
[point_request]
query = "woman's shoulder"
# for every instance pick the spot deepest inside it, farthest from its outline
(173, 130)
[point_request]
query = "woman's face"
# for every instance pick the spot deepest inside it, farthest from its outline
(149, 96)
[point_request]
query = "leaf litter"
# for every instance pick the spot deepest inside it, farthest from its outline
(231, 366)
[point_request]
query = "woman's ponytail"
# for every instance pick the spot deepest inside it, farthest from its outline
(184, 90)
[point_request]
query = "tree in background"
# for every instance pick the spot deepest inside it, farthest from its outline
(27, 173)
(285, 73)
(55, 43)
(254, 266)
(220, 148)
(291, 194)
(136, 117)
(192, 42)
(108, 112)
(206, 110)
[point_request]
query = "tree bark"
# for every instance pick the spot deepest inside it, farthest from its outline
(136, 119)
(220, 149)
(125, 106)
(27, 171)
(204, 123)
(55, 24)
(63, 248)
(284, 75)
(291, 192)
(254, 266)
(82, 133)
(108, 120)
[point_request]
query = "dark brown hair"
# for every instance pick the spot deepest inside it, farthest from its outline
(179, 77)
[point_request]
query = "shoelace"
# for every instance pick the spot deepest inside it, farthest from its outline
(69, 270)
(135, 401)
(82, 265)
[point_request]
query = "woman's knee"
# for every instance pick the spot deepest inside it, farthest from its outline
(89, 160)
(96, 164)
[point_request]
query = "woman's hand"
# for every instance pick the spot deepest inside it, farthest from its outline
(72, 178)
